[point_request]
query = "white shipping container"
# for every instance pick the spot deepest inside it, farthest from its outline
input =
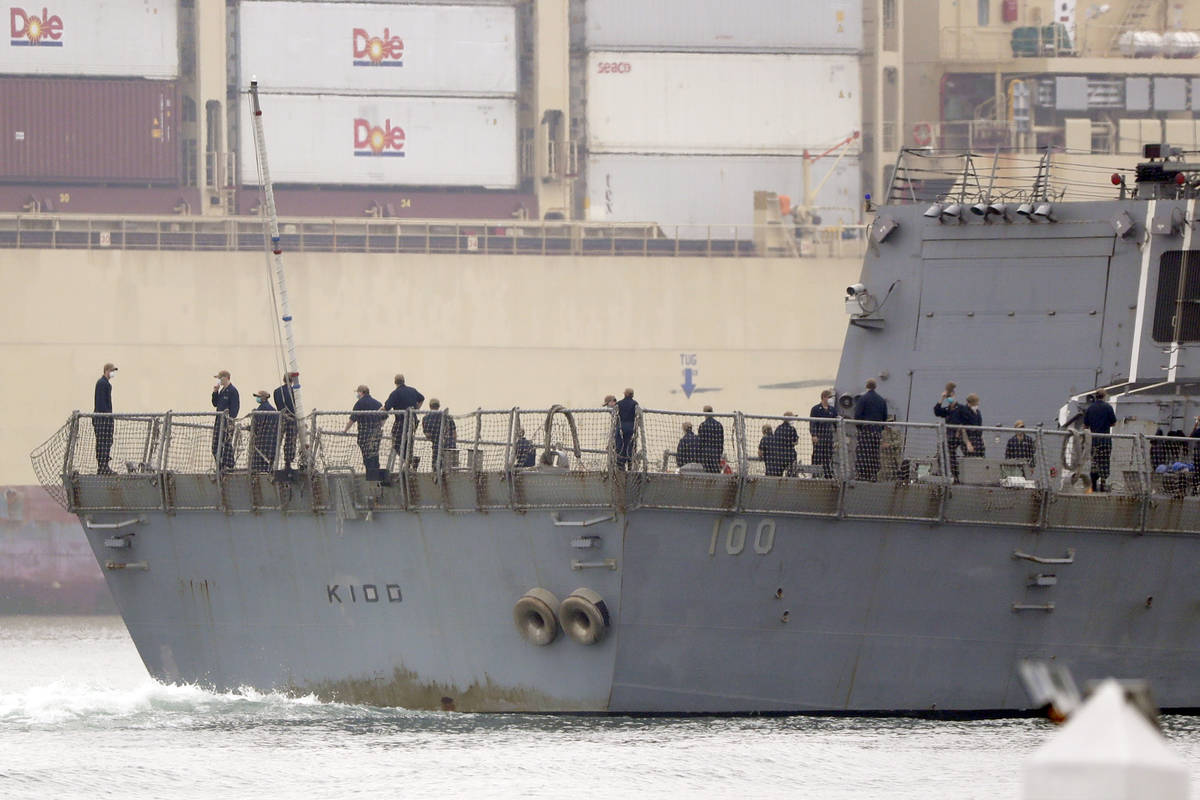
(409, 141)
(378, 49)
(92, 38)
(718, 104)
(797, 26)
(701, 191)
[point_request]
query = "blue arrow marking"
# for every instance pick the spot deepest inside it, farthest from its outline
(688, 386)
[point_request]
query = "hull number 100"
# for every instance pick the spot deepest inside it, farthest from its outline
(736, 533)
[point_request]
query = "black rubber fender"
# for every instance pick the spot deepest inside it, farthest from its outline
(584, 616)
(535, 617)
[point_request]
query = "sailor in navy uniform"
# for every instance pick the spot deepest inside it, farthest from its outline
(285, 403)
(525, 454)
(1099, 419)
(370, 430)
(264, 428)
(440, 429)
(626, 429)
(227, 403)
(712, 441)
(402, 398)
(869, 407)
(823, 433)
(103, 426)
(784, 450)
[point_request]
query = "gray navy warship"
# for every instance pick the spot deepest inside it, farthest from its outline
(900, 577)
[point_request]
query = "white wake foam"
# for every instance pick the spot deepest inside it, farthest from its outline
(66, 702)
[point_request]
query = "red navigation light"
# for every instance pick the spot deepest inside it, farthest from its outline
(1116, 179)
(1180, 178)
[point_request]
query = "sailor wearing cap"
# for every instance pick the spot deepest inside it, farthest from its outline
(285, 403)
(103, 426)
(264, 426)
(370, 430)
(227, 403)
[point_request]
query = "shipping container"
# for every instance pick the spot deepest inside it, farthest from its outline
(93, 38)
(388, 202)
(89, 130)
(795, 26)
(374, 49)
(410, 141)
(699, 191)
(720, 103)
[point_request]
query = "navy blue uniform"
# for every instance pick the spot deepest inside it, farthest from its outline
(784, 448)
(712, 443)
(402, 398)
(626, 431)
(102, 427)
(969, 421)
(285, 403)
(1099, 419)
(688, 451)
(228, 404)
(264, 429)
(823, 434)
(871, 408)
(442, 433)
(1021, 447)
(525, 453)
(370, 431)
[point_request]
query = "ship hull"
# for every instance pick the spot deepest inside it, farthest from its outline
(709, 612)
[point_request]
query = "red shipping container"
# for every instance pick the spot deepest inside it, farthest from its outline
(89, 130)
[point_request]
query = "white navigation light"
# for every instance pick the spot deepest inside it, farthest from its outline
(953, 211)
(934, 211)
(1025, 210)
(1044, 212)
(1000, 210)
(980, 210)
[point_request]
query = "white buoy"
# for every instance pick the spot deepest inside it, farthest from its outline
(1107, 750)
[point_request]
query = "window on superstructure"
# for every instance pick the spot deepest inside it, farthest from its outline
(1177, 304)
(985, 12)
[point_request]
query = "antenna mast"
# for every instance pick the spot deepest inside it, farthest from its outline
(284, 308)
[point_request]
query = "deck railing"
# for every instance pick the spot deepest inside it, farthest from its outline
(361, 462)
(496, 237)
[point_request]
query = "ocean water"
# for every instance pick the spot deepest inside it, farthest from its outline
(80, 718)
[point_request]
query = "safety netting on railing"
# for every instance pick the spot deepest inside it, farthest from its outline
(578, 440)
(564, 458)
(791, 446)
(689, 442)
(1086, 472)
(50, 460)
(197, 443)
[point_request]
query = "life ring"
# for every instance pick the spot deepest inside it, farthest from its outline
(584, 616)
(534, 617)
(923, 134)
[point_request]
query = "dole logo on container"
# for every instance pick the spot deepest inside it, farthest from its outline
(375, 140)
(27, 29)
(377, 51)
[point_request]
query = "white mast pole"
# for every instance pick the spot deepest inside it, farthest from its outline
(284, 309)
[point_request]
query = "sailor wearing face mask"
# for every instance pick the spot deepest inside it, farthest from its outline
(227, 403)
(264, 429)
